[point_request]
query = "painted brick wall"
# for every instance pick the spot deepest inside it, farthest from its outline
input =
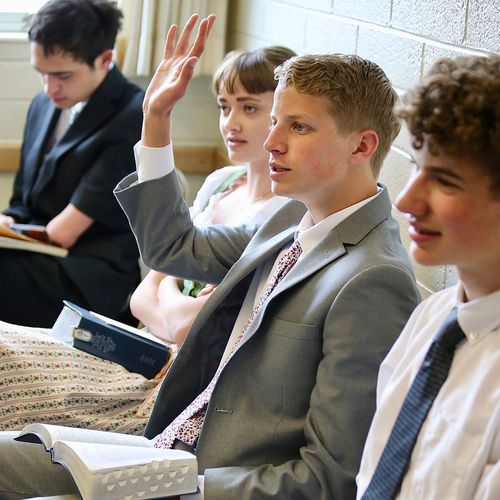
(402, 36)
(18, 84)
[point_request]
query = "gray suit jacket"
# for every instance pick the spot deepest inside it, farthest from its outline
(291, 409)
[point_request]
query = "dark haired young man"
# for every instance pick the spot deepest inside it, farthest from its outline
(77, 144)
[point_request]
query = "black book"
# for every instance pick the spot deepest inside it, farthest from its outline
(136, 350)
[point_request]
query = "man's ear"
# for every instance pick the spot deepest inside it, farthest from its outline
(365, 145)
(104, 59)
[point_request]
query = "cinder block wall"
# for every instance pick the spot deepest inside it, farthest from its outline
(402, 36)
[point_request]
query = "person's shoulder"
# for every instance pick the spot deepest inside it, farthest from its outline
(125, 96)
(429, 312)
(287, 214)
(40, 106)
(40, 101)
(40, 97)
(211, 184)
(220, 175)
(226, 172)
(118, 87)
(133, 88)
(277, 201)
(130, 89)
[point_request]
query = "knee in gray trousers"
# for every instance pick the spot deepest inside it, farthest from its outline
(27, 471)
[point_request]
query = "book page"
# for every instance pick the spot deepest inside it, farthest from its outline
(99, 457)
(49, 434)
(108, 471)
(31, 245)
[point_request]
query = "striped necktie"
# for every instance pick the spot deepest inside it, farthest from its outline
(187, 426)
(388, 476)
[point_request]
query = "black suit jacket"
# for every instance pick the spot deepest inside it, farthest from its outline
(82, 169)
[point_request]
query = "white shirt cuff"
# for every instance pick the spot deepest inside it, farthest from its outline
(152, 163)
(199, 494)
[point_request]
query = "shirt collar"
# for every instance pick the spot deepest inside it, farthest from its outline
(77, 108)
(478, 317)
(310, 234)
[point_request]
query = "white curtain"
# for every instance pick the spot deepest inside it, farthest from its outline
(145, 25)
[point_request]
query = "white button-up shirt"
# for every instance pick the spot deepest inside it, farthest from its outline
(457, 452)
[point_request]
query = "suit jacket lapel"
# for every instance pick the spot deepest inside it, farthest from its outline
(35, 156)
(353, 229)
(349, 232)
(332, 247)
(328, 250)
(247, 264)
(224, 295)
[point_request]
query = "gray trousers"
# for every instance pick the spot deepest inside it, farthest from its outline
(27, 471)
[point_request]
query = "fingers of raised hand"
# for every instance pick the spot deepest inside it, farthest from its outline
(183, 48)
(168, 51)
(177, 66)
(180, 53)
(183, 43)
(203, 31)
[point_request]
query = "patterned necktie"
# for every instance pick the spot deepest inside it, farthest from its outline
(388, 476)
(187, 426)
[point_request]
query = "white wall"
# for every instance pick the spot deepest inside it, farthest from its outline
(18, 84)
(402, 36)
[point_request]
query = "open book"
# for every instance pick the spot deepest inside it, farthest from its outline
(107, 465)
(30, 238)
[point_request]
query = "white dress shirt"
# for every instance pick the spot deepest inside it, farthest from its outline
(457, 452)
(66, 119)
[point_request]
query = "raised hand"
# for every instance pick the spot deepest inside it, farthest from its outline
(170, 81)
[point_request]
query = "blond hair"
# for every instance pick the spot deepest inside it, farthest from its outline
(361, 96)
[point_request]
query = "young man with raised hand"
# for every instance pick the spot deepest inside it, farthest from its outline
(290, 391)
(274, 386)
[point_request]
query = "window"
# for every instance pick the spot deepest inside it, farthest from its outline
(13, 12)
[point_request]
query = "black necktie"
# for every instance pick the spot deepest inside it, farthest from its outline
(388, 476)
